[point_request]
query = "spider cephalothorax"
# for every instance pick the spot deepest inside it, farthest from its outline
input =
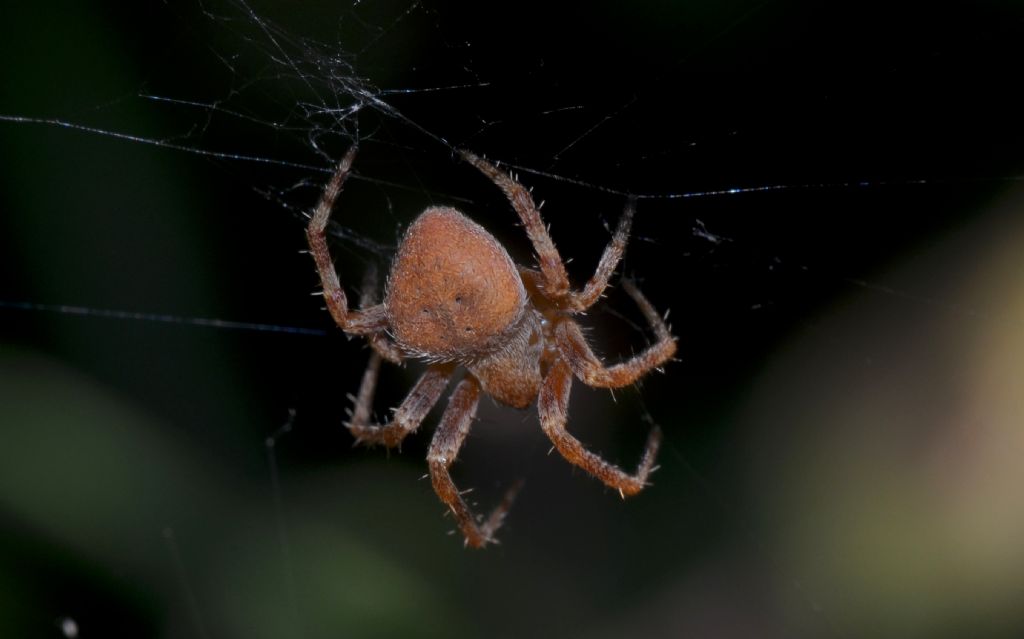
(455, 299)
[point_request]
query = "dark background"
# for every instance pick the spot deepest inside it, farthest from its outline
(843, 443)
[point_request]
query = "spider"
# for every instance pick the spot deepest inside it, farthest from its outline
(454, 298)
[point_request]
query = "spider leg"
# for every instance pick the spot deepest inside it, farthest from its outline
(409, 414)
(363, 401)
(553, 404)
(444, 448)
(385, 347)
(380, 342)
(555, 279)
(362, 322)
(584, 299)
(592, 372)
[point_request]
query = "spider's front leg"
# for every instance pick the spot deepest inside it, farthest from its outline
(555, 278)
(444, 448)
(370, 321)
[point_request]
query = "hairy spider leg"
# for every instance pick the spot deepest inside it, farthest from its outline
(444, 448)
(577, 358)
(556, 281)
(553, 407)
(368, 321)
(585, 364)
(409, 414)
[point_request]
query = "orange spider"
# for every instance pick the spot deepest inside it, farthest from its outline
(455, 298)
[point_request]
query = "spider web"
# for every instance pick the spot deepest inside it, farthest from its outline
(165, 175)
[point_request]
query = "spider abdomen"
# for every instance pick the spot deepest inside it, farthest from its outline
(453, 291)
